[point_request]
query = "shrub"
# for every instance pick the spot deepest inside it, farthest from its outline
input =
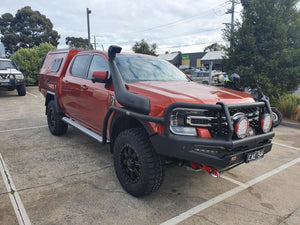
(289, 106)
(29, 61)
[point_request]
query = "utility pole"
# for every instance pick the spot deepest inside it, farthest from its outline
(231, 11)
(88, 12)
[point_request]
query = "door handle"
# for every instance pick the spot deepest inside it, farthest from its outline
(84, 87)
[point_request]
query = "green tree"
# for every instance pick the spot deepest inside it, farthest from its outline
(265, 46)
(214, 47)
(75, 42)
(144, 48)
(27, 29)
(29, 61)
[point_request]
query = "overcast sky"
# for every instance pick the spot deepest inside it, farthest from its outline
(174, 25)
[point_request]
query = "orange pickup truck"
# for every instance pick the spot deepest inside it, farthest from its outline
(152, 114)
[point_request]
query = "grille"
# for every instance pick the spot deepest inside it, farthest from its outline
(4, 76)
(220, 128)
(220, 125)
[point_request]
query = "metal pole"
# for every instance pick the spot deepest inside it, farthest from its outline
(210, 72)
(95, 42)
(88, 12)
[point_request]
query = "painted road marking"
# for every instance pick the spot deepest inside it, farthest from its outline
(15, 199)
(32, 94)
(298, 149)
(25, 128)
(232, 180)
(228, 194)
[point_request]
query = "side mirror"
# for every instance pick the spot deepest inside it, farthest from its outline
(100, 76)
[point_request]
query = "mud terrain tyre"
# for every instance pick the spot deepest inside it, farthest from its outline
(277, 117)
(21, 90)
(55, 124)
(139, 169)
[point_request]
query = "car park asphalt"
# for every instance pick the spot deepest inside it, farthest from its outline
(71, 180)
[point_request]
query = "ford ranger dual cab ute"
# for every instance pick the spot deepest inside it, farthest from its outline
(152, 114)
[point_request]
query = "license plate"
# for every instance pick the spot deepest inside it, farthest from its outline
(252, 156)
(4, 80)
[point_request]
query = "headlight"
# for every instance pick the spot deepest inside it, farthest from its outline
(266, 123)
(185, 121)
(178, 125)
(19, 76)
(11, 76)
(241, 125)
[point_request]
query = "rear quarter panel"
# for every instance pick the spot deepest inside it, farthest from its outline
(50, 75)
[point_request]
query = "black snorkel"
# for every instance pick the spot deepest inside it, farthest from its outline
(128, 99)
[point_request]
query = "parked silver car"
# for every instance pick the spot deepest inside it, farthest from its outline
(200, 76)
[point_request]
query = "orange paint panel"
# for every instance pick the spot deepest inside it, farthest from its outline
(203, 132)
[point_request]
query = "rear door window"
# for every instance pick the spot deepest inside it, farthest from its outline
(80, 66)
(56, 64)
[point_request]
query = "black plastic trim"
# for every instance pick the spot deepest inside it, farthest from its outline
(139, 116)
(181, 148)
(57, 107)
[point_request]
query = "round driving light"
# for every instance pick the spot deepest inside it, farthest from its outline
(241, 127)
(266, 123)
(11, 77)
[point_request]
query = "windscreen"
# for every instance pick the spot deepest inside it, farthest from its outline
(135, 68)
(4, 64)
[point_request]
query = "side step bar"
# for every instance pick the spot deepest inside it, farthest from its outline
(83, 129)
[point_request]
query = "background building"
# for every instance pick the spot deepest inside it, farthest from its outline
(214, 58)
(174, 58)
(195, 60)
(192, 59)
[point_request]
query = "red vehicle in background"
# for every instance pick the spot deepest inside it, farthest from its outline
(152, 114)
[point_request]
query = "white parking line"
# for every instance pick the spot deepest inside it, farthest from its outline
(32, 94)
(15, 199)
(228, 194)
(298, 149)
(25, 128)
(232, 180)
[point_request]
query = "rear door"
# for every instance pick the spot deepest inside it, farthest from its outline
(72, 86)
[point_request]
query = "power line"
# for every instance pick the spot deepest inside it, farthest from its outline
(189, 45)
(215, 10)
(220, 6)
(173, 36)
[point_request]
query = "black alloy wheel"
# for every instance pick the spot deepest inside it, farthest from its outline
(131, 165)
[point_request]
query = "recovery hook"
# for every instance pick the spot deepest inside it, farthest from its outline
(210, 170)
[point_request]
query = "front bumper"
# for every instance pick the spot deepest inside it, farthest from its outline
(187, 148)
(11, 83)
(217, 152)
